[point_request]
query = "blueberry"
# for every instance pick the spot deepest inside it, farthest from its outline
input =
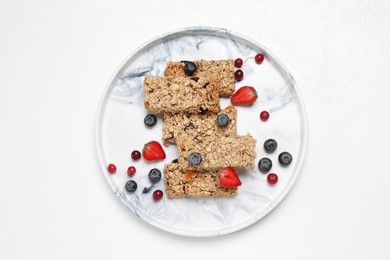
(265, 164)
(285, 158)
(131, 186)
(223, 120)
(195, 159)
(150, 120)
(189, 68)
(154, 175)
(270, 145)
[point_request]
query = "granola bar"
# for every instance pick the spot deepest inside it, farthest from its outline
(181, 184)
(218, 152)
(175, 94)
(221, 70)
(197, 126)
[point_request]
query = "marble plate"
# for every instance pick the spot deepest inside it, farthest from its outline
(120, 129)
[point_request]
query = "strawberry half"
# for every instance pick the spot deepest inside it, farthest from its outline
(153, 151)
(244, 96)
(228, 177)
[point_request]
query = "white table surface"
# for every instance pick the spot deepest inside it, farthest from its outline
(55, 60)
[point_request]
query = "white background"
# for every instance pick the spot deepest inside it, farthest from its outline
(56, 58)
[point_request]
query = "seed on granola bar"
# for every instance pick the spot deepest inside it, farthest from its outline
(189, 126)
(195, 79)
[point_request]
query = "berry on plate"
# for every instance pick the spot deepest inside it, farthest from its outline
(135, 155)
(131, 186)
(285, 158)
(154, 175)
(153, 151)
(264, 115)
(272, 178)
(228, 177)
(157, 195)
(131, 170)
(265, 164)
(270, 145)
(111, 168)
(259, 58)
(244, 96)
(238, 75)
(238, 63)
(150, 120)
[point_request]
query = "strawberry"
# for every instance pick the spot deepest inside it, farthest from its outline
(228, 177)
(244, 96)
(153, 151)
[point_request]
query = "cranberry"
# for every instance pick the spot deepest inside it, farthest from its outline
(135, 155)
(238, 75)
(157, 195)
(264, 115)
(131, 170)
(259, 58)
(111, 168)
(238, 63)
(272, 178)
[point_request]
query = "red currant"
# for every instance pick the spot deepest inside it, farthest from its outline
(135, 155)
(238, 75)
(272, 178)
(157, 195)
(264, 115)
(111, 168)
(131, 170)
(259, 58)
(238, 63)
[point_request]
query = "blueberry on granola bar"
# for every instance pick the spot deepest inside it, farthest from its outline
(189, 68)
(195, 159)
(223, 120)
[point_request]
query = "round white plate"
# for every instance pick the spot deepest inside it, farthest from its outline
(120, 130)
